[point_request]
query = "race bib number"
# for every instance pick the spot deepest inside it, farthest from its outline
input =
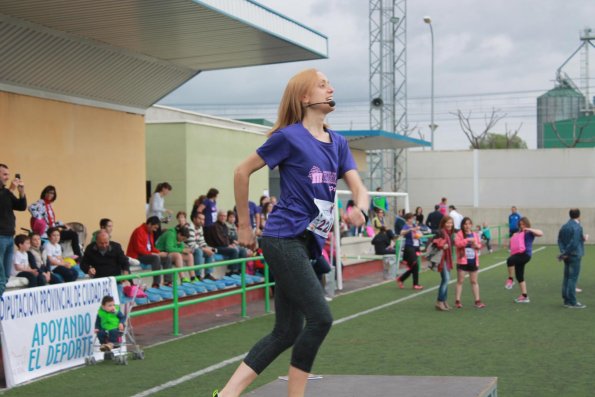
(470, 253)
(323, 223)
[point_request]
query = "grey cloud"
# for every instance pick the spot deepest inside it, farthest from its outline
(481, 46)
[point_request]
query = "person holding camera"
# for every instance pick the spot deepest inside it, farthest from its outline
(8, 204)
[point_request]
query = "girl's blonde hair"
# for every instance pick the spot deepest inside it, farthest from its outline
(291, 110)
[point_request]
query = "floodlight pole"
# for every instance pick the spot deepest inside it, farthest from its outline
(428, 21)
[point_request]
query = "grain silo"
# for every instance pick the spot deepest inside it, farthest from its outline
(561, 103)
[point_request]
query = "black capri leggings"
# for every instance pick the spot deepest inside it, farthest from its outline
(519, 261)
(298, 297)
(410, 256)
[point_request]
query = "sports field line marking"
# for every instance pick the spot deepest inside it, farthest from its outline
(191, 376)
(236, 359)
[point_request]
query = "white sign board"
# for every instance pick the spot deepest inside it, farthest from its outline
(51, 328)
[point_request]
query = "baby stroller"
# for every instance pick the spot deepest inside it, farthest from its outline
(127, 346)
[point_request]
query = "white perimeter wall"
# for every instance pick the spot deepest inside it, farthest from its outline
(484, 184)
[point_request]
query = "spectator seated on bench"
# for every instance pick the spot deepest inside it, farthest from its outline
(217, 235)
(107, 225)
(104, 258)
(203, 253)
(233, 235)
(172, 242)
(142, 247)
(22, 267)
(52, 257)
(36, 257)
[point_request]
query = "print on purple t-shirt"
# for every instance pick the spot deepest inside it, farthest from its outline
(210, 212)
(309, 172)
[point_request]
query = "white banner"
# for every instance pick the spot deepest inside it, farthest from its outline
(51, 328)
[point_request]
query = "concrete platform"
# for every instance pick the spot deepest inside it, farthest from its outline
(387, 386)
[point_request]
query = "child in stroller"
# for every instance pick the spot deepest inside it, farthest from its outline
(109, 324)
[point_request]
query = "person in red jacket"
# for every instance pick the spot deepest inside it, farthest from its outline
(142, 247)
(467, 244)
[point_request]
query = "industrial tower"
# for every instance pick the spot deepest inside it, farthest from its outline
(587, 38)
(388, 90)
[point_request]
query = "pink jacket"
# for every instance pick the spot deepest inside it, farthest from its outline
(461, 243)
(443, 241)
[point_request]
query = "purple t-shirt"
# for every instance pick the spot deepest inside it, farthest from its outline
(409, 240)
(210, 212)
(529, 238)
(253, 211)
(309, 171)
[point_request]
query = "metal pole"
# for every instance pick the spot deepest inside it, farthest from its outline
(176, 310)
(428, 20)
(244, 296)
(587, 80)
(337, 236)
(432, 125)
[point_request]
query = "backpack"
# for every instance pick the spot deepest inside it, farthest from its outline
(517, 243)
(133, 291)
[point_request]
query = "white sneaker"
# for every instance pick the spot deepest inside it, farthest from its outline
(577, 305)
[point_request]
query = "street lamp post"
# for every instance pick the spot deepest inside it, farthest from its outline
(433, 126)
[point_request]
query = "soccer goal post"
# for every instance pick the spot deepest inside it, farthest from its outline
(337, 228)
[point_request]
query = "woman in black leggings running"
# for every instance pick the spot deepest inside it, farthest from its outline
(311, 158)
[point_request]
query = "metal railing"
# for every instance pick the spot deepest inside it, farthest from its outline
(243, 289)
(175, 305)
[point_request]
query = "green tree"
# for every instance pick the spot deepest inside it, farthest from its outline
(475, 136)
(502, 141)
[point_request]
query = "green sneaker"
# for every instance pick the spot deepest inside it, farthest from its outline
(185, 280)
(216, 393)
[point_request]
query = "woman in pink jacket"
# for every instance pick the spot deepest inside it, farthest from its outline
(443, 241)
(467, 245)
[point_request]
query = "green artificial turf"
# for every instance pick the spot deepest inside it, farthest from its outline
(536, 349)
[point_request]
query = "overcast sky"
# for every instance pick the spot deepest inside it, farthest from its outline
(505, 53)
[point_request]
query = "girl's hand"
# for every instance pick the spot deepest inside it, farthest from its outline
(246, 237)
(356, 217)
